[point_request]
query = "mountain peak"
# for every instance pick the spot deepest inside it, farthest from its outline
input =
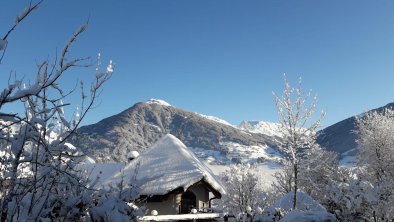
(158, 102)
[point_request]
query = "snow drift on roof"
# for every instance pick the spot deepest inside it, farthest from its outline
(166, 166)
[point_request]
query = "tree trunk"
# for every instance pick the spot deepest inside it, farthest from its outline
(295, 186)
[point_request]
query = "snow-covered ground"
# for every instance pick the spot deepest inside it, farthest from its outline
(210, 156)
(348, 161)
(266, 159)
(253, 154)
(348, 158)
(264, 172)
(237, 153)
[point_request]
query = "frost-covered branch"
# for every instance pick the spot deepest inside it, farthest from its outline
(19, 18)
(38, 175)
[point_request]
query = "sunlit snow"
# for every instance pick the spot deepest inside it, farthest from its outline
(158, 102)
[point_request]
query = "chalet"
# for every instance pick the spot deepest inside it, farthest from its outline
(171, 179)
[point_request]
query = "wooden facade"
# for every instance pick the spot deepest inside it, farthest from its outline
(180, 201)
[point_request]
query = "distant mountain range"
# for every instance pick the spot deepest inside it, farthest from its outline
(138, 127)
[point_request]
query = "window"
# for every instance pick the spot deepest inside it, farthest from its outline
(188, 202)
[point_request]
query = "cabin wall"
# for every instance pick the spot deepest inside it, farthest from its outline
(172, 204)
(202, 196)
(168, 206)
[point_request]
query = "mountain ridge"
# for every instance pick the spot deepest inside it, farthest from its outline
(137, 127)
(340, 137)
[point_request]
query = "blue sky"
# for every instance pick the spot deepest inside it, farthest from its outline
(222, 58)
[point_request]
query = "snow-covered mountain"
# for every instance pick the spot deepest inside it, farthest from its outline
(262, 127)
(211, 138)
(144, 123)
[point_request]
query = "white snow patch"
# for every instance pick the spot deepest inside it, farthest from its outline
(264, 172)
(110, 67)
(304, 202)
(348, 158)
(242, 153)
(158, 102)
(70, 146)
(133, 154)
(154, 126)
(348, 161)
(216, 119)
(88, 160)
(210, 156)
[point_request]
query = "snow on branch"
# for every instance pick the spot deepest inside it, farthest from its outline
(73, 38)
(19, 18)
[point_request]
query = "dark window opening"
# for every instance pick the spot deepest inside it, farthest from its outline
(188, 202)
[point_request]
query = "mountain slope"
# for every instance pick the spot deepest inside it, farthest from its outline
(262, 127)
(144, 123)
(340, 137)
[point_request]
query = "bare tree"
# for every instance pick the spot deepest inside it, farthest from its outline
(38, 178)
(295, 110)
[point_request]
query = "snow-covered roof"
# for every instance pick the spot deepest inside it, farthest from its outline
(165, 167)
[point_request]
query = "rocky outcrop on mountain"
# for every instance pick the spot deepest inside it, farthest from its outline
(144, 123)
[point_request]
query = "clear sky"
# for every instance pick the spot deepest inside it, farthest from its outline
(222, 58)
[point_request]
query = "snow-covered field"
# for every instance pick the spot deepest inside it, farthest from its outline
(264, 171)
(348, 159)
(266, 159)
(237, 153)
